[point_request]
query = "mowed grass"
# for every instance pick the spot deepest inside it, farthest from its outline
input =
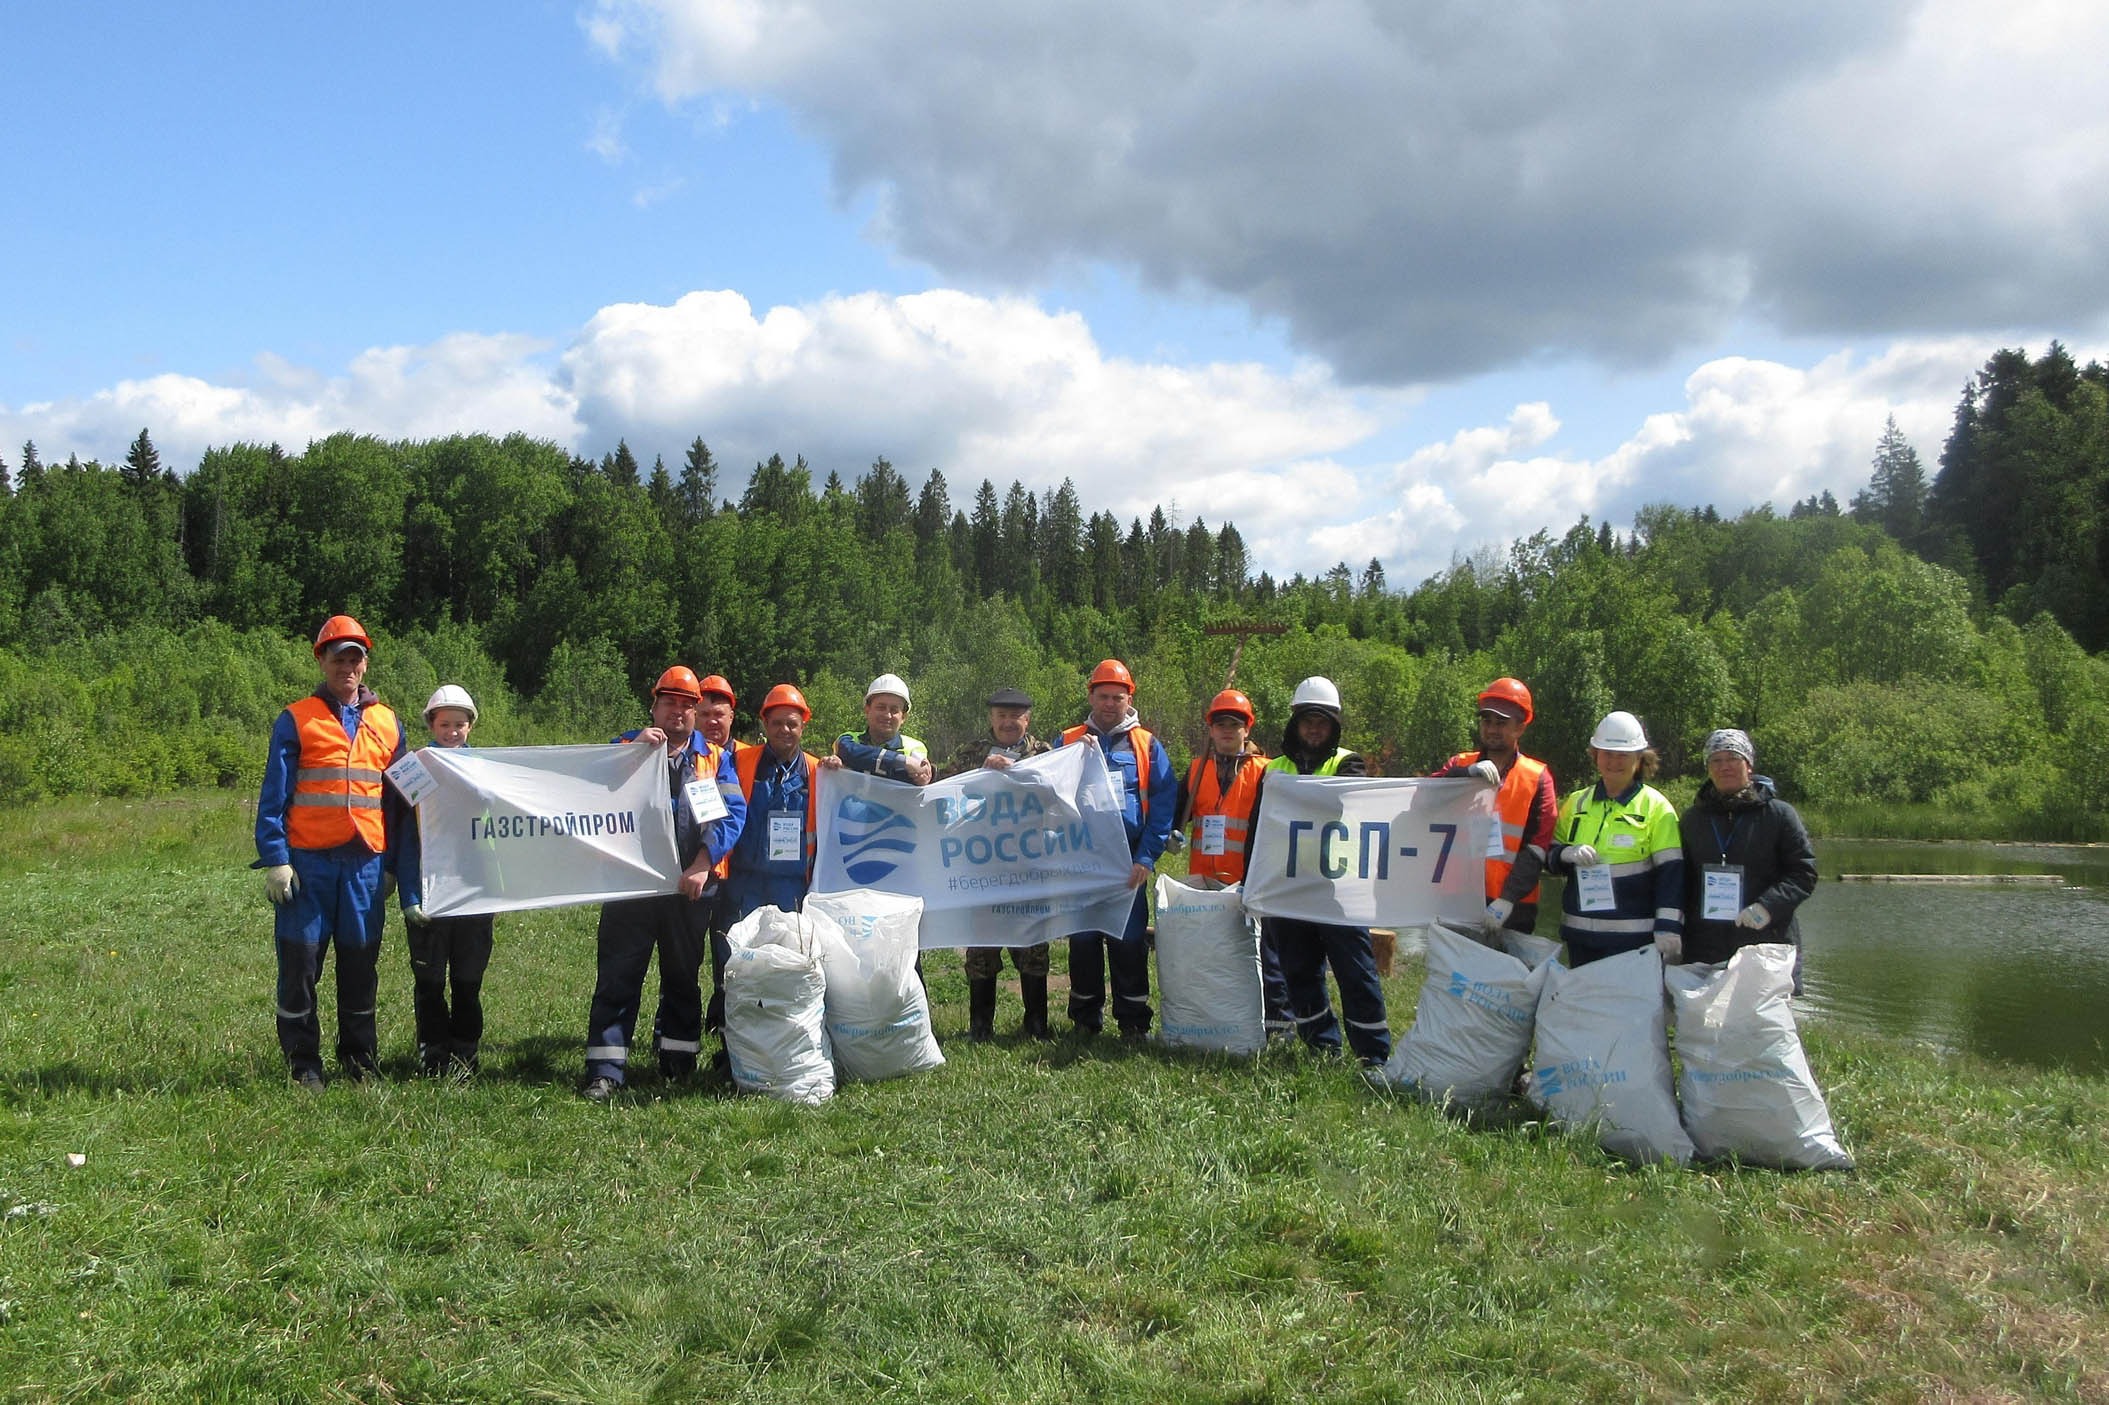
(1033, 1222)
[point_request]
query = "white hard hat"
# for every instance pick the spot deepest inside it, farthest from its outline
(888, 683)
(450, 695)
(1619, 731)
(1315, 692)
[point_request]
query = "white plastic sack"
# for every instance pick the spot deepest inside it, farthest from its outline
(1746, 1086)
(1208, 969)
(878, 1017)
(1472, 1028)
(775, 1035)
(1603, 1056)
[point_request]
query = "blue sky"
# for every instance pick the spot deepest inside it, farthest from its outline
(1369, 281)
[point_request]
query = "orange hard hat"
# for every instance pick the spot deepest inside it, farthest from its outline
(681, 682)
(341, 629)
(1231, 700)
(786, 695)
(1112, 671)
(1510, 691)
(716, 684)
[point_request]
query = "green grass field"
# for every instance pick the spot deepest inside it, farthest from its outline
(1033, 1222)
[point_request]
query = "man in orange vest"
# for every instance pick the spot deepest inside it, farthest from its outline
(1525, 804)
(1149, 795)
(772, 864)
(325, 838)
(703, 791)
(1216, 804)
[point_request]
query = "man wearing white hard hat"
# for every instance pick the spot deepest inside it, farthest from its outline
(1616, 843)
(1294, 952)
(444, 951)
(882, 749)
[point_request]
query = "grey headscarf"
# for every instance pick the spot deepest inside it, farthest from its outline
(1732, 739)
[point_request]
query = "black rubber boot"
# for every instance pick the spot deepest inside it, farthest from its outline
(981, 1010)
(1034, 990)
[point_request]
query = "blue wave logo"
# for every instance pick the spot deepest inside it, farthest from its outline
(865, 830)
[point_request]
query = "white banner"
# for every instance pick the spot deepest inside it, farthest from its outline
(1000, 858)
(515, 827)
(1364, 852)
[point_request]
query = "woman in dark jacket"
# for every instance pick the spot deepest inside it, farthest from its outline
(1747, 860)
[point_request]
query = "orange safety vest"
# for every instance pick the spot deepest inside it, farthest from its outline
(1236, 809)
(1512, 809)
(747, 760)
(337, 786)
(1140, 736)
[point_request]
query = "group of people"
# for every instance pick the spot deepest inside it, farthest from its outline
(336, 841)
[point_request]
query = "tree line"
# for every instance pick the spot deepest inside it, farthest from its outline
(1926, 644)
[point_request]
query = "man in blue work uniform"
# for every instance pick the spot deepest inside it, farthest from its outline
(1149, 790)
(703, 791)
(326, 828)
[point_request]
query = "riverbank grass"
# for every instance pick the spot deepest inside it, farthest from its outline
(1070, 1221)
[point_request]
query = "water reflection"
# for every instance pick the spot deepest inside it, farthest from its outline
(2018, 973)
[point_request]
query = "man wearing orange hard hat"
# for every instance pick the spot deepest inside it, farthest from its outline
(326, 827)
(703, 790)
(1149, 795)
(772, 864)
(1525, 806)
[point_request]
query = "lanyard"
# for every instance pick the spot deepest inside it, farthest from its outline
(1714, 825)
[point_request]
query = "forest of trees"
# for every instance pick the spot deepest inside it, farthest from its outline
(1932, 642)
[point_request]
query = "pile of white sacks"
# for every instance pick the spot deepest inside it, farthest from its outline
(825, 993)
(1597, 1044)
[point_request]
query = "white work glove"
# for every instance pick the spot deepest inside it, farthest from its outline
(1486, 771)
(1175, 841)
(1670, 946)
(1755, 917)
(281, 883)
(414, 914)
(1580, 856)
(1496, 916)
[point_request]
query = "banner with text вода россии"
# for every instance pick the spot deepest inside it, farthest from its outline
(1013, 857)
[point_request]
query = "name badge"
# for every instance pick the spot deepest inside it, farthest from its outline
(704, 802)
(1497, 842)
(1594, 885)
(1722, 896)
(786, 837)
(1120, 788)
(1213, 833)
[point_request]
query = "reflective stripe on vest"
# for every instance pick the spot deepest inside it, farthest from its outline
(1236, 809)
(1331, 766)
(337, 786)
(1512, 810)
(747, 760)
(1139, 737)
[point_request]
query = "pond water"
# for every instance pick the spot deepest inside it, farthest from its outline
(2008, 972)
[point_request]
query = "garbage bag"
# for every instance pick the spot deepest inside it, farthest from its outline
(1603, 1056)
(1208, 969)
(1746, 1086)
(1472, 1028)
(775, 1031)
(878, 1016)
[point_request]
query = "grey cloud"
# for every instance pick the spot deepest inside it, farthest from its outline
(1431, 190)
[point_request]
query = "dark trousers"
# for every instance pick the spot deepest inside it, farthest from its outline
(1274, 989)
(629, 932)
(1306, 949)
(338, 902)
(448, 951)
(1089, 955)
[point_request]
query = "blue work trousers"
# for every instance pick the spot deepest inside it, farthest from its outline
(1306, 949)
(338, 901)
(629, 932)
(1089, 955)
